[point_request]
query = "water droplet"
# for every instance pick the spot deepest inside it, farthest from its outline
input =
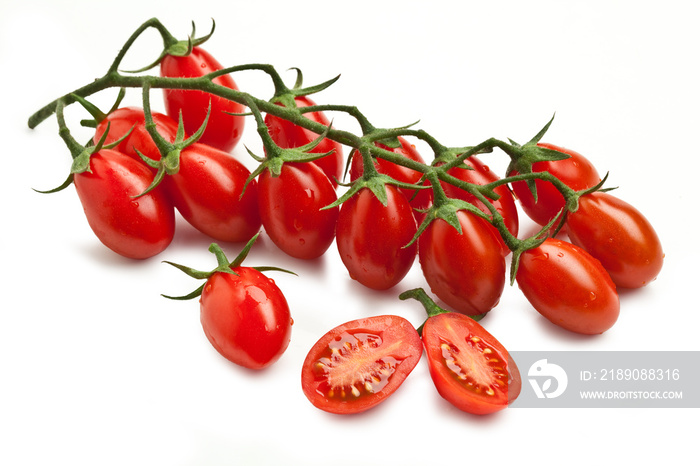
(592, 296)
(560, 254)
(542, 257)
(302, 241)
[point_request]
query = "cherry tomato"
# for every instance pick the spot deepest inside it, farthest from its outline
(359, 364)
(288, 135)
(569, 287)
(470, 368)
(207, 192)
(223, 130)
(122, 120)
(481, 174)
(246, 317)
(467, 271)
(137, 228)
(419, 200)
(371, 237)
(619, 236)
(290, 209)
(577, 172)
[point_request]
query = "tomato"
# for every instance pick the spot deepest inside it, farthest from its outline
(122, 120)
(288, 135)
(467, 271)
(290, 209)
(470, 368)
(357, 365)
(246, 317)
(619, 236)
(223, 130)
(481, 174)
(577, 172)
(371, 237)
(207, 192)
(420, 200)
(137, 228)
(569, 287)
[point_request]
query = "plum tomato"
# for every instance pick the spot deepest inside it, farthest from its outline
(287, 135)
(619, 236)
(290, 209)
(207, 192)
(470, 368)
(467, 271)
(124, 119)
(577, 172)
(245, 317)
(357, 365)
(223, 130)
(137, 228)
(569, 287)
(481, 174)
(419, 200)
(371, 237)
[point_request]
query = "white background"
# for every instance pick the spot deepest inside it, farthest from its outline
(97, 368)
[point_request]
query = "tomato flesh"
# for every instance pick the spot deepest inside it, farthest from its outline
(357, 365)
(470, 368)
(619, 236)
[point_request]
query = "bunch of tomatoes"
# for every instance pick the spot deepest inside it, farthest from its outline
(455, 215)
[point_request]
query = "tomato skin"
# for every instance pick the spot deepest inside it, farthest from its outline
(421, 200)
(619, 236)
(122, 120)
(223, 131)
(290, 209)
(577, 172)
(136, 228)
(207, 192)
(288, 135)
(362, 362)
(246, 317)
(456, 344)
(371, 238)
(481, 175)
(569, 287)
(467, 271)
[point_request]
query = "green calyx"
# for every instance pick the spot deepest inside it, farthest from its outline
(223, 266)
(431, 308)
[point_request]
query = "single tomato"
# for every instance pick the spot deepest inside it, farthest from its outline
(470, 368)
(134, 227)
(223, 130)
(569, 287)
(290, 209)
(357, 365)
(207, 192)
(371, 237)
(619, 236)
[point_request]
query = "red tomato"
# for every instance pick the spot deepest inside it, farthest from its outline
(569, 287)
(371, 238)
(359, 364)
(223, 130)
(287, 135)
(124, 119)
(246, 317)
(207, 192)
(136, 228)
(577, 172)
(481, 175)
(422, 199)
(469, 367)
(467, 271)
(290, 209)
(619, 236)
